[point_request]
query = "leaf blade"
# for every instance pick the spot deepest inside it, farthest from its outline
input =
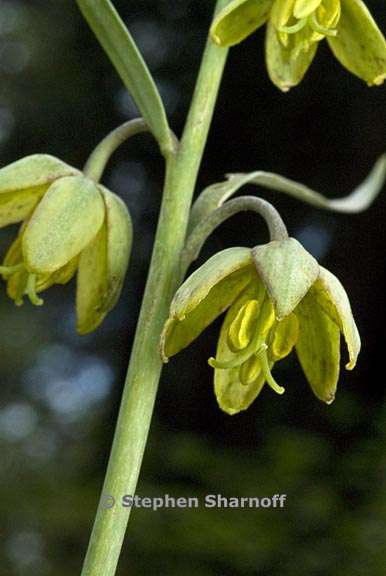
(123, 52)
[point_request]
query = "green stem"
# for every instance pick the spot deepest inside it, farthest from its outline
(209, 223)
(99, 157)
(145, 364)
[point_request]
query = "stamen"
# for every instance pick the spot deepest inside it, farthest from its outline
(262, 355)
(240, 357)
(264, 323)
(31, 291)
(295, 28)
(9, 270)
(240, 331)
(317, 27)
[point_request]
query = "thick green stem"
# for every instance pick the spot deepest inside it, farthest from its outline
(145, 364)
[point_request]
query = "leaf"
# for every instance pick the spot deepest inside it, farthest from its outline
(120, 47)
(360, 199)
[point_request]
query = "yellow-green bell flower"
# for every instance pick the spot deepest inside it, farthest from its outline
(69, 224)
(277, 298)
(294, 29)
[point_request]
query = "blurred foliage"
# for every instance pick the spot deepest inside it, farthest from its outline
(60, 392)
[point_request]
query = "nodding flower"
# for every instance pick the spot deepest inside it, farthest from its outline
(70, 224)
(294, 30)
(277, 298)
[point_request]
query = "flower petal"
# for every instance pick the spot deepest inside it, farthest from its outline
(318, 347)
(103, 265)
(16, 282)
(119, 243)
(24, 182)
(233, 395)
(332, 297)
(33, 171)
(287, 271)
(284, 69)
(206, 294)
(91, 284)
(360, 45)
(65, 221)
(238, 20)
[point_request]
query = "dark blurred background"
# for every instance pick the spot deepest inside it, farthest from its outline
(60, 392)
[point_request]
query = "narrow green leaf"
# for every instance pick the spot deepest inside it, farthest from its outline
(360, 199)
(120, 47)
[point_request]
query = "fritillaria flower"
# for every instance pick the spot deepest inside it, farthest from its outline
(69, 224)
(277, 298)
(294, 30)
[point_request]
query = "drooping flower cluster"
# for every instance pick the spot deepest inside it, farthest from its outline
(277, 298)
(69, 224)
(294, 30)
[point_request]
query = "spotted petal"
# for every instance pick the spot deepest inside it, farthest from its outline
(323, 314)
(318, 347)
(360, 45)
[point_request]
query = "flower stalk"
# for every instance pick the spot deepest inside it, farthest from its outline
(98, 159)
(198, 236)
(145, 365)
